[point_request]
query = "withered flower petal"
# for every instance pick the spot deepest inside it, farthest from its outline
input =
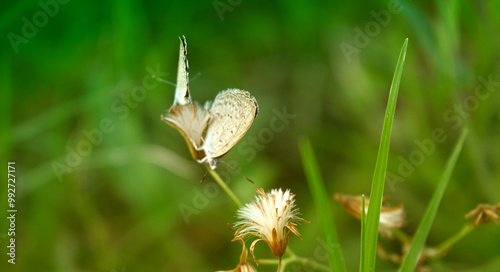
(483, 214)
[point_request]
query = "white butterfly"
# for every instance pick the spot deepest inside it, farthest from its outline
(211, 131)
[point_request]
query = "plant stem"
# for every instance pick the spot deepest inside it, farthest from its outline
(294, 259)
(446, 245)
(270, 261)
(313, 264)
(224, 187)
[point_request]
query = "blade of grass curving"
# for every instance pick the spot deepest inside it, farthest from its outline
(377, 190)
(410, 261)
(362, 246)
(320, 197)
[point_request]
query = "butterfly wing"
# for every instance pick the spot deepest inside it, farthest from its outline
(182, 95)
(232, 114)
(191, 121)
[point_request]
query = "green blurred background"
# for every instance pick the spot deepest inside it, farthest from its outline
(119, 206)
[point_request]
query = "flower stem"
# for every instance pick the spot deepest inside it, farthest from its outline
(446, 245)
(269, 261)
(313, 264)
(294, 259)
(224, 187)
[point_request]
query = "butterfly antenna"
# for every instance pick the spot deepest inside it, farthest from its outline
(204, 176)
(195, 76)
(230, 166)
(163, 80)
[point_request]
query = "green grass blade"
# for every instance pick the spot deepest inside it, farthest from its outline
(377, 191)
(418, 243)
(322, 204)
(363, 228)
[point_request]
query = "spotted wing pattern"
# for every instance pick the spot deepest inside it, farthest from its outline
(232, 114)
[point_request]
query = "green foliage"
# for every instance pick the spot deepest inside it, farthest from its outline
(322, 204)
(362, 238)
(410, 261)
(377, 192)
(135, 201)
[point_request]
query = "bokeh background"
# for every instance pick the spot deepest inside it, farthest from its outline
(132, 199)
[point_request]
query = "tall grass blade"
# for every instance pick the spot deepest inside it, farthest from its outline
(410, 261)
(320, 196)
(377, 191)
(363, 229)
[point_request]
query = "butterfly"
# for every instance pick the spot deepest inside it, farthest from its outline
(214, 129)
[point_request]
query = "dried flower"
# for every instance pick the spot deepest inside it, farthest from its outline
(272, 217)
(390, 217)
(484, 213)
(243, 266)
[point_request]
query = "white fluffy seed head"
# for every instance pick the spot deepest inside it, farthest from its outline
(271, 217)
(272, 210)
